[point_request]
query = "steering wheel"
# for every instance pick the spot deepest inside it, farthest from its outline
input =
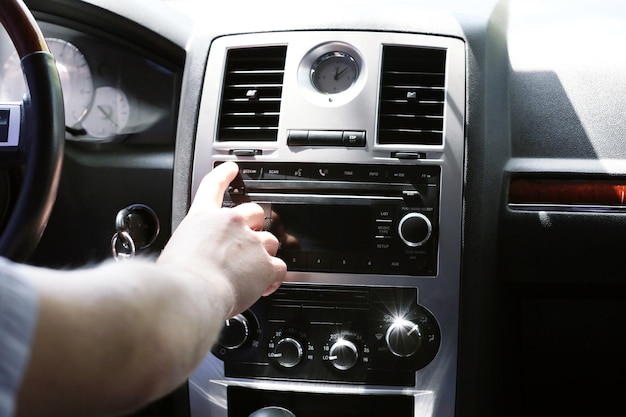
(32, 134)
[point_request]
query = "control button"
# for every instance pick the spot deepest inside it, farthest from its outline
(319, 261)
(383, 228)
(343, 354)
(235, 332)
(398, 266)
(295, 261)
(403, 338)
(399, 174)
(415, 229)
(246, 152)
(384, 212)
(297, 137)
(273, 172)
(417, 263)
(382, 242)
(297, 172)
(375, 174)
(325, 138)
(250, 172)
(413, 198)
(348, 173)
(407, 174)
(409, 155)
(353, 138)
(371, 263)
(324, 172)
(343, 262)
(287, 352)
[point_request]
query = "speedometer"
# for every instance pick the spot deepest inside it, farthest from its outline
(76, 81)
(74, 73)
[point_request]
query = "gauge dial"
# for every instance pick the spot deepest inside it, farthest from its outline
(334, 72)
(76, 81)
(74, 73)
(109, 113)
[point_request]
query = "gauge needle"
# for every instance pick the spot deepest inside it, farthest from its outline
(108, 114)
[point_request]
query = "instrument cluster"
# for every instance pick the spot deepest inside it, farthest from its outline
(112, 93)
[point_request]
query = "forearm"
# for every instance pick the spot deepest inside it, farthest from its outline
(125, 334)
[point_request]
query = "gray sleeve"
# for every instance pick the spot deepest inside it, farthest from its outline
(18, 316)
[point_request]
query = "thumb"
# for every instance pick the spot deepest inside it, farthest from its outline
(211, 191)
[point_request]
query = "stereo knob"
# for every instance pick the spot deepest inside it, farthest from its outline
(403, 338)
(415, 229)
(288, 352)
(343, 354)
(235, 332)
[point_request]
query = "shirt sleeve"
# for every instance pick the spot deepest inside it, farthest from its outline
(18, 316)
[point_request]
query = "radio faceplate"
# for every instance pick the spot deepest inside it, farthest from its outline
(348, 218)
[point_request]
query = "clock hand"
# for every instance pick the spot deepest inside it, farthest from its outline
(338, 73)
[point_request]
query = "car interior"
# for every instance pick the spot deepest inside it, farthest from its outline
(447, 181)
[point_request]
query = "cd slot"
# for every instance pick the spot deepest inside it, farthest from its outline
(329, 188)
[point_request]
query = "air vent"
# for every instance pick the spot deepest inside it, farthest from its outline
(412, 96)
(251, 96)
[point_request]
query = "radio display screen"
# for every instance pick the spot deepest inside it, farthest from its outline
(322, 227)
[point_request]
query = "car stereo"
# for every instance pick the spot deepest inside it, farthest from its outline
(349, 218)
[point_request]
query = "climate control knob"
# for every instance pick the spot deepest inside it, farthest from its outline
(403, 338)
(235, 332)
(288, 352)
(415, 229)
(343, 354)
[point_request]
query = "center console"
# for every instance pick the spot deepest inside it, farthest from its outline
(353, 144)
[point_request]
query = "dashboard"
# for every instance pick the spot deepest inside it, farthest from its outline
(446, 180)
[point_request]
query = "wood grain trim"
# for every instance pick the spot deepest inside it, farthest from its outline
(22, 27)
(568, 192)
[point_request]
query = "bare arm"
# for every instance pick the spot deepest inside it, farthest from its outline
(114, 337)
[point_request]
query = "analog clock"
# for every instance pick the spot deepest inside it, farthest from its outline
(334, 72)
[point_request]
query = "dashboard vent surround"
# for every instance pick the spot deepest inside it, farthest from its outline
(251, 96)
(412, 96)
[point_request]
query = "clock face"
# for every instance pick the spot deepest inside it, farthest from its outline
(334, 72)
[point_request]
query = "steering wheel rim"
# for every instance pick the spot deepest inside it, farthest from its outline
(42, 134)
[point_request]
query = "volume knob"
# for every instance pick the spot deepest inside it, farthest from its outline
(343, 354)
(403, 338)
(415, 229)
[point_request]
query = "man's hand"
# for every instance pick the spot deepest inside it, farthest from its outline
(227, 243)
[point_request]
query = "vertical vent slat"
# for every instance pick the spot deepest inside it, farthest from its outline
(251, 96)
(412, 96)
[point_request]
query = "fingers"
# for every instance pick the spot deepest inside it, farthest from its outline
(252, 214)
(210, 195)
(270, 242)
(211, 190)
(281, 272)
